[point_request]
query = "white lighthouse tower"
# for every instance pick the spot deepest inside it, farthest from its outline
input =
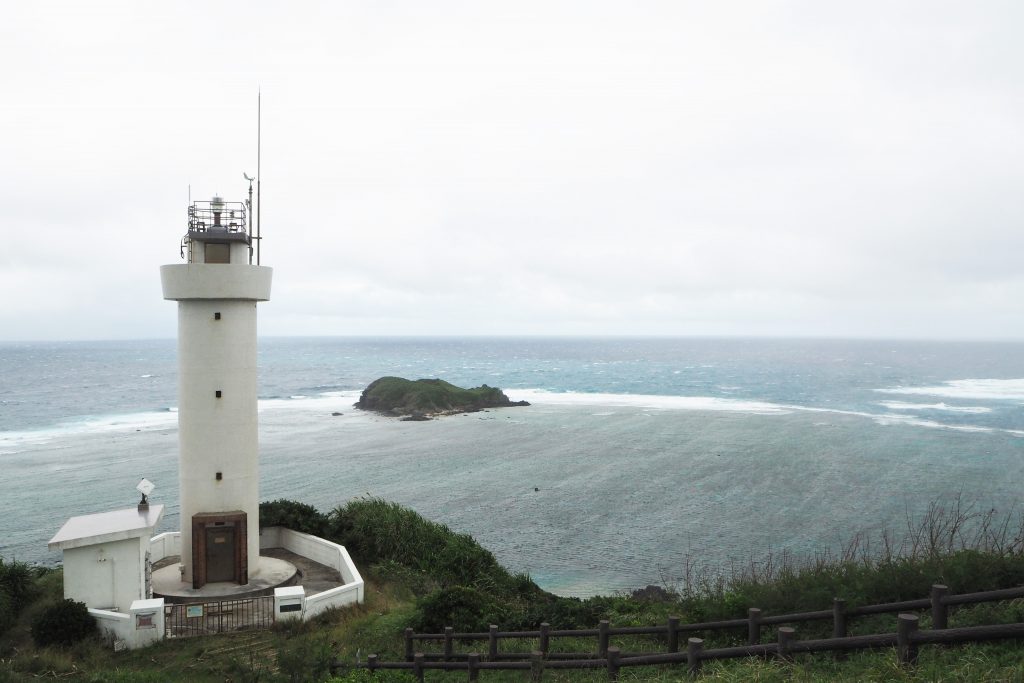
(217, 289)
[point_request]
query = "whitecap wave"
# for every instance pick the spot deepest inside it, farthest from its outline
(543, 397)
(17, 441)
(945, 407)
(328, 400)
(893, 419)
(887, 419)
(978, 389)
(164, 418)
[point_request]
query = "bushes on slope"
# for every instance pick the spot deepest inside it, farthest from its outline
(17, 590)
(293, 515)
(64, 623)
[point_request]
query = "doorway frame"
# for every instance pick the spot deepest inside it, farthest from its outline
(204, 520)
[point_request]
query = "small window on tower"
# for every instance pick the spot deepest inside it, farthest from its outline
(218, 253)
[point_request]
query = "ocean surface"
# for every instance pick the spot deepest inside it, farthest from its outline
(637, 457)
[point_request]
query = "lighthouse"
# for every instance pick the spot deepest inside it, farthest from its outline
(217, 289)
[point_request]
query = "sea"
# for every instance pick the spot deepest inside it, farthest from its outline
(638, 460)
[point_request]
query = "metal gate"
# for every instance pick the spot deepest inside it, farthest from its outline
(205, 618)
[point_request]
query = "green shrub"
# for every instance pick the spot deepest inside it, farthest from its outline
(463, 608)
(8, 616)
(302, 660)
(293, 515)
(416, 582)
(376, 531)
(17, 581)
(64, 623)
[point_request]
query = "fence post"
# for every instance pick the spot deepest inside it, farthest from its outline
(694, 648)
(786, 636)
(602, 637)
(417, 666)
(536, 666)
(940, 611)
(839, 625)
(474, 661)
(448, 631)
(408, 645)
(753, 626)
(544, 638)
(492, 643)
(673, 634)
(371, 662)
(613, 663)
(906, 626)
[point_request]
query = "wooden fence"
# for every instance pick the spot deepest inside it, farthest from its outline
(906, 638)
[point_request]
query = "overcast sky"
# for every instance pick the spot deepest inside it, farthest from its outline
(710, 168)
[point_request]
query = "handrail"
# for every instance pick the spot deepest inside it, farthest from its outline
(938, 601)
(907, 638)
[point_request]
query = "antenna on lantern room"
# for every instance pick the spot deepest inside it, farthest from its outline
(248, 211)
(259, 176)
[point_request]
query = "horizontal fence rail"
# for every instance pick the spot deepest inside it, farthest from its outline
(906, 639)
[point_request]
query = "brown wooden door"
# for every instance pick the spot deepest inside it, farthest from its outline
(220, 553)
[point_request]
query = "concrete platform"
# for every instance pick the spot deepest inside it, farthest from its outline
(271, 573)
(313, 576)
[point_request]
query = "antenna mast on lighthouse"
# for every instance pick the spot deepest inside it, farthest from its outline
(259, 176)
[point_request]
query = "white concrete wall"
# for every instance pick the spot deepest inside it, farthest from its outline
(349, 594)
(239, 252)
(167, 544)
(107, 575)
(218, 434)
(183, 281)
(124, 629)
(114, 626)
(287, 599)
(270, 537)
(326, 553)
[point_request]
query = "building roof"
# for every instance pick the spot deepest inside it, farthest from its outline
(104, 527)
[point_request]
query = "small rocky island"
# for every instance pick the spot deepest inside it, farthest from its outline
(425, 398)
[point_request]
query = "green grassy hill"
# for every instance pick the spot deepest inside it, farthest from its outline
(423, 575)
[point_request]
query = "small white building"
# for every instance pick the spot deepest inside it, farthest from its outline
(106, 556)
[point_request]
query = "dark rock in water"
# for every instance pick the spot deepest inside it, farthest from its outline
(416, 417)
(336, 414)
(421, 399)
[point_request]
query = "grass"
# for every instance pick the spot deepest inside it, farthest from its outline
(422, 574)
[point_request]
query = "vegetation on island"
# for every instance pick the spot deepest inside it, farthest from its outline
(424, 398)
(423, 575)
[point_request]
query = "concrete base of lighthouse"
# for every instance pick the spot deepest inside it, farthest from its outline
(271, 573)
